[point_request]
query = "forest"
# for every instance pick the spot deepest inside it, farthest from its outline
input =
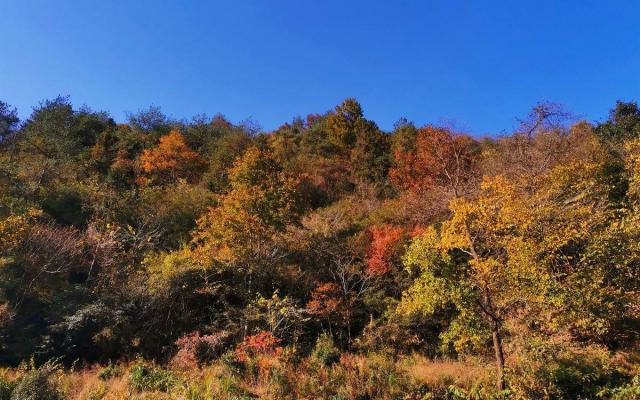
(327, 259)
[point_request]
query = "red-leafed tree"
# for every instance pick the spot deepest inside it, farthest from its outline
(328, 302)
(442, 159)
(383, 248)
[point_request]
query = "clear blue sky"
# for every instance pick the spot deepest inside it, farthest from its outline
(477, 63)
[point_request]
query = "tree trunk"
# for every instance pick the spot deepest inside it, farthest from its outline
(497, 347)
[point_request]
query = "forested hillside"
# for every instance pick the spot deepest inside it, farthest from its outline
(327, 259)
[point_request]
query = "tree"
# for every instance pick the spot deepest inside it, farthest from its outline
(469, 266)
(261, 203)
(623, 123)
(327, 302)
(370, 155)
(344, 123)
(384, 246)
(243, 232)
(505, 254)
(56, 131)
(172, 159)
(8, 120)
(540, 142)
(359, 139)
(442, 159)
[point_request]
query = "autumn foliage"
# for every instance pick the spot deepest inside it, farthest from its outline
(326, 259)
(326, 300)
(383, 248)
(442, 159)
(172, 159)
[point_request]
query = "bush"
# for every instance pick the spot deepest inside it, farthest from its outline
(6, 388)
(36, 384)
(630, 391)
(109, 372)
(195, 350)
(564, 373)
(325, 352)
(143, 377)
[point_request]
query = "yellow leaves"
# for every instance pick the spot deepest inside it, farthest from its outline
(479, 225)
(14, 228)
(632, 149)
(424, 296)
(254, 168)
(165, 266)
(423, 251)
(486, 269)
(503, 247)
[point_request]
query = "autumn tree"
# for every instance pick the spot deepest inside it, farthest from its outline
(242, 233)
(540, 141)
(383, 248)
(171, 160)
(507, 253)
(327, 303)
(262, 201)
(442, 159)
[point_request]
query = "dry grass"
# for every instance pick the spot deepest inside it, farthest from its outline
(351, 377)
(446, 372)
(85, 385)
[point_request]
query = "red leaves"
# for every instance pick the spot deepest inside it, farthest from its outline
(383, 248)
(193, 349)
(261, 344)
(326, 299)
(442, 158)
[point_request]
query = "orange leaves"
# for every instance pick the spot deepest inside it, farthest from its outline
(193, 349)
(261, 344)
(262, 350)
(442, 159)
(326, 299)
(383, 248)
(172, 159)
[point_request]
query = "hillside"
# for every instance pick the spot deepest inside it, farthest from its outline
(326, 259)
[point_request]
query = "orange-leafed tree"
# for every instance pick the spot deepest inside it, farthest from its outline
(442, 159)
(384, 247)
(172, 159)
(327, 302)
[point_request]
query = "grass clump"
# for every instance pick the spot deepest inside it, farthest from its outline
(143, 377)
(38, 384)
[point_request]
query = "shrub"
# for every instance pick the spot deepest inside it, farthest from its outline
(6, 388)
(629, 391)
(564, 373)
(144, 377)
(109, 372)
(194, 349)
(37, 384)
(325, 352)
(97, 393)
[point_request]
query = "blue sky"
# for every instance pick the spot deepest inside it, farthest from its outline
(479, 64)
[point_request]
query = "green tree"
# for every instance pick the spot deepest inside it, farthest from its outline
(8, 120)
